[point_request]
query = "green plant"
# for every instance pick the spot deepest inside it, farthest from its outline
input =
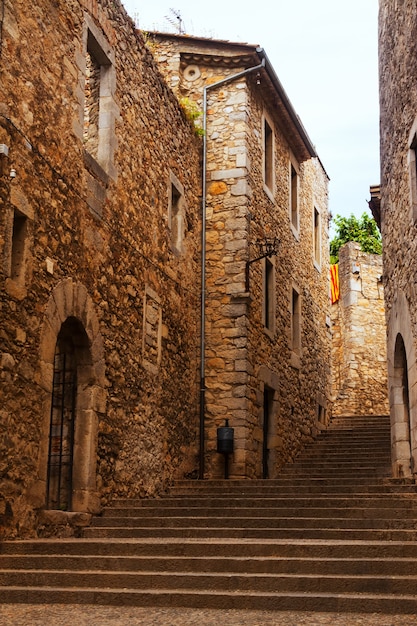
(149, 41)
(363, 230)
(192, 113)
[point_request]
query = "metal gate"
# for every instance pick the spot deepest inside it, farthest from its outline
(61, 433)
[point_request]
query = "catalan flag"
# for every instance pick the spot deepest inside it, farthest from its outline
(334, 283)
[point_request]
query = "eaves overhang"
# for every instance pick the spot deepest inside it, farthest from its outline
(224, 53)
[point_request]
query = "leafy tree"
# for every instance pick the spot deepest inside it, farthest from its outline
(363, 230)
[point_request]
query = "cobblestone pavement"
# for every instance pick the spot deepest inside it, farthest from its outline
(87, 615)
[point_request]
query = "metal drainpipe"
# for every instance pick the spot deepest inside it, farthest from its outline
(228, 79)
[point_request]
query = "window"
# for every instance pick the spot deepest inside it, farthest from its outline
(99, 107)
(176, 213)
(152, 330)
(412, 165)
(321, 414)
(268, 155)
(316, 238)
(266, 427)
(269, 295)
(294, 213)
(19, 238)
(91, 103)
(296, 322)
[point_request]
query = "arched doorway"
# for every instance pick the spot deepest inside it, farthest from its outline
(72, 363)
(402, 424)
(72, 373)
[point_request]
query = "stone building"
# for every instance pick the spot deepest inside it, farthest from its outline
(359, 360)
(267, 331)
(100, 264)
(397, 210)
(108, 387)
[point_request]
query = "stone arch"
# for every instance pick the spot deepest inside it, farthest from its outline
(70, 309)
(402, 381)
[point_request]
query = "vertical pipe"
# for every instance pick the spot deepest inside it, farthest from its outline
(203, 292)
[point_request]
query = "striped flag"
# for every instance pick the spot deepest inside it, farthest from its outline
(334, 283)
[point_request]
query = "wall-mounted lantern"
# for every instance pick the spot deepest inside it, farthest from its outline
(267, 248)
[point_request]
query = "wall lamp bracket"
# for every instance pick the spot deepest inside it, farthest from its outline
(267, 248)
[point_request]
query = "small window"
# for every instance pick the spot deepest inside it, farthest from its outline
(176, 214)
(294, 198)
(91, 104)
(317, 238)
(19, 238)
(152, 330)
(296, 322)
(412, 164)
(99, 106)
(267, 427)
(268, 156)
(321, 414)
(269, 295)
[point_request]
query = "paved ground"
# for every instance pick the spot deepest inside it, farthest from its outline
(85, 615)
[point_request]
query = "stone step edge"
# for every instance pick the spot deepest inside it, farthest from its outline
(209, 557)
(94, 531)
(342, 602)
(210, 574)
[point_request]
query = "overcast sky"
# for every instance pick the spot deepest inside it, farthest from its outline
(325, 54)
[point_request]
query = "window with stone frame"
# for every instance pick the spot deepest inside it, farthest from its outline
(321, 414)
(268, 155)
(412, 168)
(317, 238)
(267, 428)
(18, 246)
(152, 330)
(295, 321)
(269, 295)
(176, 213)
(294, 198)
(99, 108)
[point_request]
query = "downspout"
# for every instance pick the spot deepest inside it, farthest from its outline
(228, 79)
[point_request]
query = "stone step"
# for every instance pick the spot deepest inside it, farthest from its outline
(370, 472)
(297, 489)
(277, 519)
(240, 532)
(344, 439)
(357, 423)
(228, 547)
(209, 599)
(332, 533)
(137, 517)
(259, 564)
(272, 483)
(367, 461)
(215, 581)
(337, 454)
(401, 503)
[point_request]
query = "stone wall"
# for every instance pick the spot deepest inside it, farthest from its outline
(398, 124)
(86, 247)
(252, 370)
(359, 361)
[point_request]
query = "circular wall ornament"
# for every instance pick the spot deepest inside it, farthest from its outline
(192, 72)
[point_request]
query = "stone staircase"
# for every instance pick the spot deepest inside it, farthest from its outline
(332, 533)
